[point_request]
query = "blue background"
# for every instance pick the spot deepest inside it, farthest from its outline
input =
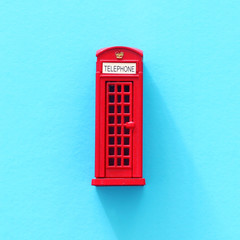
(191, 120)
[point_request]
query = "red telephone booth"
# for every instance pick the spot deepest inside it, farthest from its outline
(119, 91)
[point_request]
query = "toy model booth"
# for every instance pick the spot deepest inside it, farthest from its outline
(119, 97)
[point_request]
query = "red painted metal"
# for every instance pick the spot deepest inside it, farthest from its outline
(119, 92)
(118, 181)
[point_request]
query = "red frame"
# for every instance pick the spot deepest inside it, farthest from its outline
(123, 164)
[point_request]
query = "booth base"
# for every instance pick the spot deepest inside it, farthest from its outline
(118, 182)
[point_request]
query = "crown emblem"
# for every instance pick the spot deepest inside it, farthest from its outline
(119, 55)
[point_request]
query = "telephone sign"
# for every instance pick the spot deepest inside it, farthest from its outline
(119, 68)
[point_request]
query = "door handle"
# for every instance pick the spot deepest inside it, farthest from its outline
(130, 125)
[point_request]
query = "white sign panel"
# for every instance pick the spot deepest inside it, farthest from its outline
(119, 68)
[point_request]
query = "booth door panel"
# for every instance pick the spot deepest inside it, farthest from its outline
(119, 136)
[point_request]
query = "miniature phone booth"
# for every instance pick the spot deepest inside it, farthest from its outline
(119, 106)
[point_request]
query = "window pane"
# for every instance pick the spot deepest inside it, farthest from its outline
(126, 109)
(126, 98)
(126, 141)
(119, 161)
(111, 88)
(119, 109)
(111, 161)
(126, 151)
(126, 88)
(111, 98)
(119, 130)
(126, 161)
(111, 119)
(119, 98)
(111, 130)
(119, 151)
(111, 109)
(111, 151)
(119, 88)
(111, 140)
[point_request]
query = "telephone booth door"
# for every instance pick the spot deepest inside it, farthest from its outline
(119, 129)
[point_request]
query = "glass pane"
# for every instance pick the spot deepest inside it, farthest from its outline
(126, 88)
(119, 98)
(111, 88)
(126, 141)
(126, 161)
(119, 109)
(119, 88)
(111, 161)
(126, 151)
(119, 151)
(119, 130)
(126, 98)
(111, 98)
(111, 140)
(111, 119)
(111, 151)
(126, 119)
(126, 131)
(126, 109)
(119, 161)
(111, 130)
(111, 109)
(119, 119)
